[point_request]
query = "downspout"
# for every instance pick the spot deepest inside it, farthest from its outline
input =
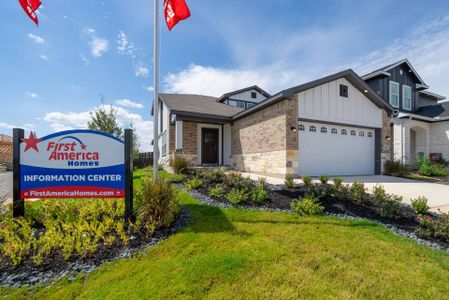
(222, 144)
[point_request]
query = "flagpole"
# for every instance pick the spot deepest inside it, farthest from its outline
(156, 91)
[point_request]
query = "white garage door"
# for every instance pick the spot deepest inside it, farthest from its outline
(335, 150)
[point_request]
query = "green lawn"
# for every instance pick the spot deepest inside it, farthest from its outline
(241, 254)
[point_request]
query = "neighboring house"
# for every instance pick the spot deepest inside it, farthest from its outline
(5, 149)
(421, 119)
(336, 125)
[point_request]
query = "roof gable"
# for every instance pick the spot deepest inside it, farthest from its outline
(254, 87)
(384, 72)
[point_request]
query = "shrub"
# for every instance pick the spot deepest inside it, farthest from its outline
(289, 181)
(321, 191)
(258, 195)
(262, 182)
(214, 175)
(338, 181)
(307, 180)
(236, 196)
(357, 193)
(433, 170)
(193, 184)
(435, 227)
(420, 205)
(216, 191)
(324, 179)
(396, 168)
(177, 178)
(158, 206)
(233, 179)
(307, 206)
(379, 193)
(391, 207)
(180, 165)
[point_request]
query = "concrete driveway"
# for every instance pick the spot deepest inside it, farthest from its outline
(5, 186)
(436, 194)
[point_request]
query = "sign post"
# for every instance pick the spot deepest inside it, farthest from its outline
(18, 203)
(72, 164)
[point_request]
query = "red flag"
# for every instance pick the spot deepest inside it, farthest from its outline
(30, 7)
(175, 11)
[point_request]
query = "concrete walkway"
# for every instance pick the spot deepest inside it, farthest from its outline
(5, 186)
(437, 194)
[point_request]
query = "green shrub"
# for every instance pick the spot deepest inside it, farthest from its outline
(307, 180)
(357, 191)
(180, 165)
(236, 196)
(396, 168)
(324, 179)
(158, 206)
(320, 191)
(233, 179)
(391, 207)
(433, 170)
(307, 206)
(216, 191)
(193, 184)
(258, 195)
(262, 182)
(289, 181)
(437, 227)
(216, 175)
(379, 193)
(420, 205)
(176, 178)
(338, 181)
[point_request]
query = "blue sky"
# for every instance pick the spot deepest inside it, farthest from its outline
(52, 76)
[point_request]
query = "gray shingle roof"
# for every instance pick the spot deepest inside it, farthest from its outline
(198, 104)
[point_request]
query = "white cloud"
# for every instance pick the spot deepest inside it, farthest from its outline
(149, 88)
(84, 59)
(44, 57)
(129, 103)
(97, 45)
(4, 125)
(37, 39)
(124, 46)
(141, 70)
(32, 95)
(59, 121)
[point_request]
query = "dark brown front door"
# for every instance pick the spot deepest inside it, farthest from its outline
(210, 146)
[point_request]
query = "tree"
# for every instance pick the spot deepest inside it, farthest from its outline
(105, 120)
(136, 143)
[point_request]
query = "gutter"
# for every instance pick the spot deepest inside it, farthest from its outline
(423, 118)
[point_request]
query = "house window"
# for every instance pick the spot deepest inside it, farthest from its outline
(249, 105)
(406, 97)
(334, 131)
(164, 144)
(232, 103)
(394, 94)
(312, 128)
(353, 132)
(241, 104)
(344, 132)
(361, 133)
(301, 127)
(370, 134)
(323, 130)
(253, 95)
(344, 91)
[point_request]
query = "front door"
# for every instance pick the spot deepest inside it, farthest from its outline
(210, 146)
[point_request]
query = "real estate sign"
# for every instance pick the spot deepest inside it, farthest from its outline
(72, 164)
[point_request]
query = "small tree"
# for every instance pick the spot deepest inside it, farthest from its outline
(105, 120)
(136, 143)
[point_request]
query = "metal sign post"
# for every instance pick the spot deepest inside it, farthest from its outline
(18, 202)
(129, 214)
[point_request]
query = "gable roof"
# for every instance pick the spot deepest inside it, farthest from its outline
(432, 95)
(384, 71)
(199, 105)
(253, 87)
(349, 75)
(440, 110)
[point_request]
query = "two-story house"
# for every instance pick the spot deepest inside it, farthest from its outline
(420, 120)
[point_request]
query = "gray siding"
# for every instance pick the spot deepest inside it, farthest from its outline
(426, 101)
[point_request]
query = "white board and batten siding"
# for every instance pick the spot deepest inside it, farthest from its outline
(323, 103)
(346, 144)
(246, 96)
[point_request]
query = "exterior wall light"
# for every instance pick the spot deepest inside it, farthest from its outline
(293, 128)
(388, 138)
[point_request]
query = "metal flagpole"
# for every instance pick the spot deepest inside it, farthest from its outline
(156, 90)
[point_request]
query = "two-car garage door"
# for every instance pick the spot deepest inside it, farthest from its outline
(335, 150)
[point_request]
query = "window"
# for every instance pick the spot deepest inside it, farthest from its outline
(394, 94)
(323, 130)
(344, 91)
(249, 105)
(353, 132)
(301, 127)
(164, 143)
(312, 129)
(370, 134)
(253, 95)
(344, 132)
(241, 104)
(334, 131)
(232, 103)
(406, 97)
(361, 133)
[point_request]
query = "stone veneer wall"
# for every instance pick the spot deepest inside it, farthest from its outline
(386, 140)
(189, 142)
(264, 143)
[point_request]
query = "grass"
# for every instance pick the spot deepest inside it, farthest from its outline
(241, 254)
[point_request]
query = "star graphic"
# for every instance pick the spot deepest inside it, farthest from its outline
(83, 146)
(31, 142)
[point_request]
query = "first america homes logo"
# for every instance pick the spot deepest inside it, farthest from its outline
(72, 164)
